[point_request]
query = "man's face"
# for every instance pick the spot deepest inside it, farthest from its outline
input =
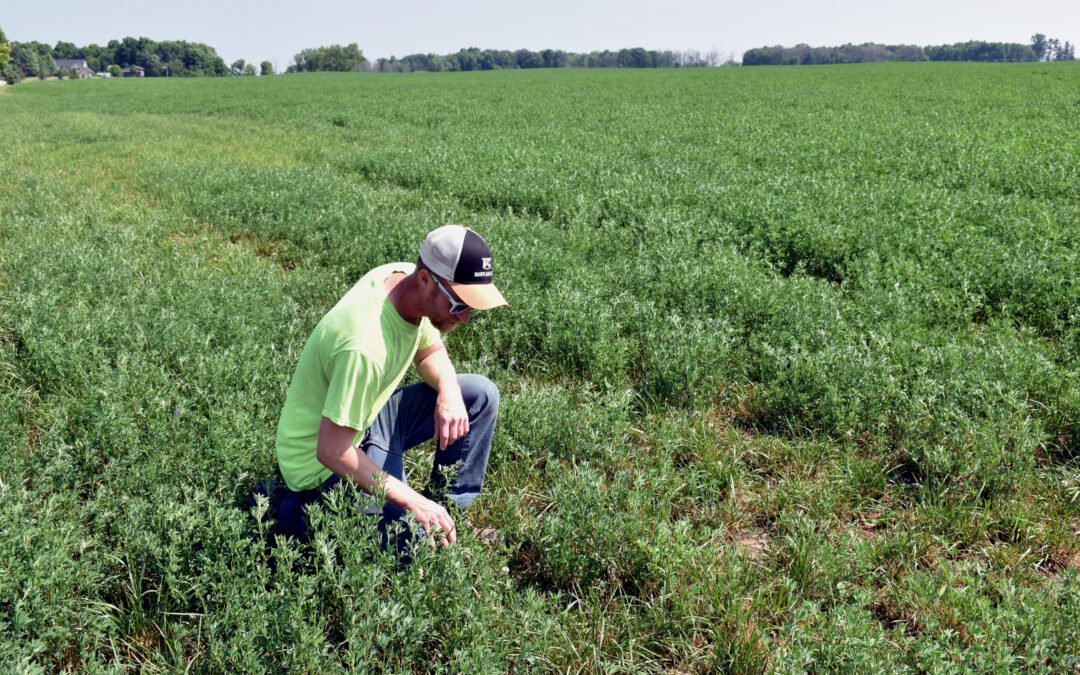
(442, 300)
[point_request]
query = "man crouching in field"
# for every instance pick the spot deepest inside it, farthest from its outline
(345, 417)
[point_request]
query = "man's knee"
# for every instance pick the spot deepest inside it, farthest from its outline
(479, 393)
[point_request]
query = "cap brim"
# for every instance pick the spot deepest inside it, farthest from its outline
(479, 296)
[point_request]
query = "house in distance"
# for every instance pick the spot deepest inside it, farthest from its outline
(78, 64)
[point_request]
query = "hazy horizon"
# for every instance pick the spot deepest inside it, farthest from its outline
(276, 31)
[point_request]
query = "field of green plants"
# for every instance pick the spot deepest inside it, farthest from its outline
(790, 376)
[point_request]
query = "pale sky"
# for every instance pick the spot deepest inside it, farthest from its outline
(276, 30)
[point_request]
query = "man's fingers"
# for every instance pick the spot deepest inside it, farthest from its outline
(448, 534)
(442, 430)
(454, 431)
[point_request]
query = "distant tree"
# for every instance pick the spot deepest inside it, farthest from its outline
(12, 73)
(66, 50)
(485, 61)
(192, 59)
(267, 68)
(334, 58)
(1038, 45)
(237, 67)
(153, 63)
(1064, 52)
(523, 58)
(5, 53)
(25, 58)
(1053, 46)
(132, 51)
(1056, 51)
(249, 70)
(96, 57)
(504, 58)
(115, 70)
(466, 59)
(47, 66)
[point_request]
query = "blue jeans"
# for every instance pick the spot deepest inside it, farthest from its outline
(406, 421)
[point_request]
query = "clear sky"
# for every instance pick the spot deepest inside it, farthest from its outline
(276, 30)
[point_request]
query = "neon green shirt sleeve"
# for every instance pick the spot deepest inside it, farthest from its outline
(350, 394)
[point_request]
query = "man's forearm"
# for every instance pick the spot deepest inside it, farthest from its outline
(451, 417)
(437, 371)
(337, 453)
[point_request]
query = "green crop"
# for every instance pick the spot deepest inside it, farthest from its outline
(789, 373)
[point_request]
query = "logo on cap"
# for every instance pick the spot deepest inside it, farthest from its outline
(485, 263)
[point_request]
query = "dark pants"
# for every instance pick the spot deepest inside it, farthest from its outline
(407, 420)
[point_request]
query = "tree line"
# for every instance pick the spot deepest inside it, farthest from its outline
(178, 58)
(1041, 48)
(351, 58)
(185, 59)
(474, 58)
(173, 58)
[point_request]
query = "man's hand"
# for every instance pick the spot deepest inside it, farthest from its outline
(435, 520)
(451, 417)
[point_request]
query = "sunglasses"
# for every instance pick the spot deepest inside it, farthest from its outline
(456, 306)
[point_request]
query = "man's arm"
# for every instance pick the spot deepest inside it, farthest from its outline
(451, 417)
(337, 453)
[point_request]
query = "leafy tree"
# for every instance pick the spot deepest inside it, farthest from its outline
(523, 58)
(5, 53)
(132, 51)
(47, 66)
(267, 68)
(97, 57)
(153, 64)
(115, 70)
(66, 50)
(196, 59)
(237, 67)
(249, 70)
(25, 58)
(1056, 51)
(333, 58)
(1038, 45)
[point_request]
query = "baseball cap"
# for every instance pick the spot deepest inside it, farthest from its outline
(463, 259)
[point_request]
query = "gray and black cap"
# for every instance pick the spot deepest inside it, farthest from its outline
(463, 259)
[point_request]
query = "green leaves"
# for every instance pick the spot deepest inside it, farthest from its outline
(787, 353)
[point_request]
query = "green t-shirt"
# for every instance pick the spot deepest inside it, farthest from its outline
(352, 362)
